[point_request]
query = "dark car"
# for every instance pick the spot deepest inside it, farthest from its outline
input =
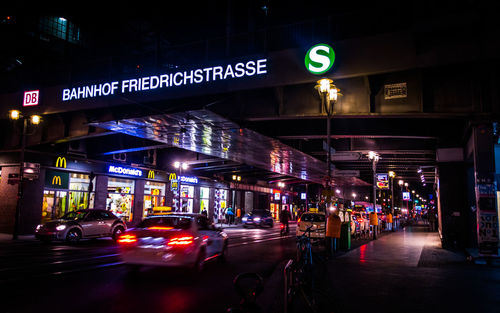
(259, 218)
(76, 225)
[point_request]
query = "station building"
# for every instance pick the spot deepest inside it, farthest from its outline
(426, 101)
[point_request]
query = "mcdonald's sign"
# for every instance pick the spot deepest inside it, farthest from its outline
(56, 179)
(172, 176)
(61, 162)
(174, 183)
(151, 174)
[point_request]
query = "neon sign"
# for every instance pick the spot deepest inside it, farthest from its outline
(124, 171)
(189, 179)
(167, 80)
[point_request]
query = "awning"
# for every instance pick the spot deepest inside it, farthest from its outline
(205, 132)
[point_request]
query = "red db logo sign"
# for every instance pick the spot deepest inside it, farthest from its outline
(31, 98)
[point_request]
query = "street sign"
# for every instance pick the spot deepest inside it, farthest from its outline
(346, 156)
(346, 173)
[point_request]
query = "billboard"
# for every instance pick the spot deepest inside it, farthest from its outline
(382, 181)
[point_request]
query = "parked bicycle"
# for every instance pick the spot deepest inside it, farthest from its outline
(305, 286)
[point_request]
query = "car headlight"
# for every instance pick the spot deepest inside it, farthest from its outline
(38, 227)
(244, 219)
(61, 227)
(257, 219)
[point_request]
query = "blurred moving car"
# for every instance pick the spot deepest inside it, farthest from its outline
(258, 218)
(307, 219)
(81, 224)
(176, 240)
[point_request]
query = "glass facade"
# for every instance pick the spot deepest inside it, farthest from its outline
(120, 199)
(58, 201)
(59, 27)
(154, 196)
(187, 196)
(204, 199)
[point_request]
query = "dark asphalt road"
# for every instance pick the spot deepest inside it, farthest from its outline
(89, 277)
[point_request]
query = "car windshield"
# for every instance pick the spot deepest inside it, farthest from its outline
(75, 215)
(176, 222)
(313, 218)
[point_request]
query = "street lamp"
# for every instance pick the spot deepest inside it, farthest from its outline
(34, 120)
(180, 166)
(374, 157)
(329, 94)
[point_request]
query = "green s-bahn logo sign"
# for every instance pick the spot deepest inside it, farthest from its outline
(319, 59)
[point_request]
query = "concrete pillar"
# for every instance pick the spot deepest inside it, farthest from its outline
(485, 188)
(138, 207)
(101, 192)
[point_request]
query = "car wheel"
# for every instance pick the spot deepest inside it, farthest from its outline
(117, 232)
(199, 264)
(74, 235)
(272, 224)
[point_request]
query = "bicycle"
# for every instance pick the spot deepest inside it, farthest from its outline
(304, 289)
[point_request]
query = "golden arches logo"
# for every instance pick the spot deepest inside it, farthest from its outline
(173, 176)
(151, 174)
(56, 180)
(61, 162)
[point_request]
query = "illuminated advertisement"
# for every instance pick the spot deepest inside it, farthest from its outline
(189, 179)
(383, 181)
(406, 196)
(168, 80)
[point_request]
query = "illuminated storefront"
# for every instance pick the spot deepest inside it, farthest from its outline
(65, 192)
(154, 196)
(120, 198)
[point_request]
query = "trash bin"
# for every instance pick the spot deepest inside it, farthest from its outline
(345, 236)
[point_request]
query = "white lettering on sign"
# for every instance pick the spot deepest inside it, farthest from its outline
(124, 170)
(189, 179)
(31, 97)
(181, 78)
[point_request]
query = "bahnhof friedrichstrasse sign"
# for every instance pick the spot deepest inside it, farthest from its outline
(167, 80)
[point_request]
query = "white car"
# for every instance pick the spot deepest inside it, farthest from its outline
(307, 219)
(174, 240)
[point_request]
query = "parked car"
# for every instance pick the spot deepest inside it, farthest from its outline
(258, 218)
(81, 224)
(173, 240)
(318, 220)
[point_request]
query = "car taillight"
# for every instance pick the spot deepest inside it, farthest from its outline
(127, 239)
(160, 228)
(282, 226)
(181, 241)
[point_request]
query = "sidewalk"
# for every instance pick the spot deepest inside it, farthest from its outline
(8, 237)
(408, 271)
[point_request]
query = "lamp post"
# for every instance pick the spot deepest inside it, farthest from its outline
(374, 157)
(34, 120)
(180, 166)
(329, 94)
(392, 174)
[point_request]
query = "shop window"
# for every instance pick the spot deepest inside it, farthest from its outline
(120, 199)
(187, 195)
(154, 196)
(220, 203)
(204, 199)
(74, 196)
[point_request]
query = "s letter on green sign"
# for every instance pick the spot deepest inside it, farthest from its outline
(319, 59)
